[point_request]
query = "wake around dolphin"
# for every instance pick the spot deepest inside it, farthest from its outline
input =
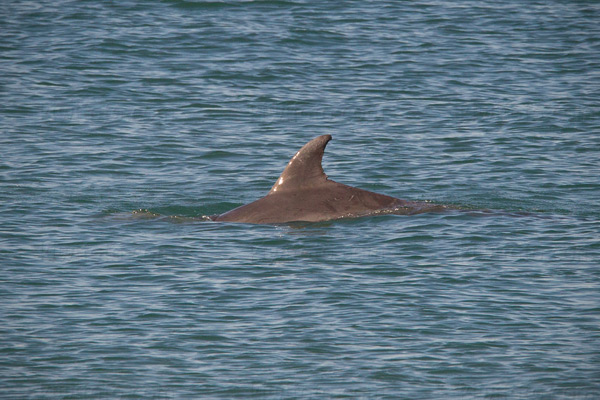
(303, 193)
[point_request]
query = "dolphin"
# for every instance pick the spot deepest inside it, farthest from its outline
(304, 193)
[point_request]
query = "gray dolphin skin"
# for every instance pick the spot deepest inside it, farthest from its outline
(303, 193)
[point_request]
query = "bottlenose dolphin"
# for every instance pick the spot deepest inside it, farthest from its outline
(303, 193)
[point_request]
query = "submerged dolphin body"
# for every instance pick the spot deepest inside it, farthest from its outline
(303, 193)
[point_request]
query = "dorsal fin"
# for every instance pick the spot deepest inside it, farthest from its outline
(304, 169)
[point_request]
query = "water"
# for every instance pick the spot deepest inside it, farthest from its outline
(123, 124)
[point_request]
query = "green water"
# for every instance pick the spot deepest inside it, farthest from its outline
(123, 124)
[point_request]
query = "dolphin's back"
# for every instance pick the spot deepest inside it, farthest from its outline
(330, 200)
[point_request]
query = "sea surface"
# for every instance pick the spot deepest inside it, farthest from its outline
(125, 124)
